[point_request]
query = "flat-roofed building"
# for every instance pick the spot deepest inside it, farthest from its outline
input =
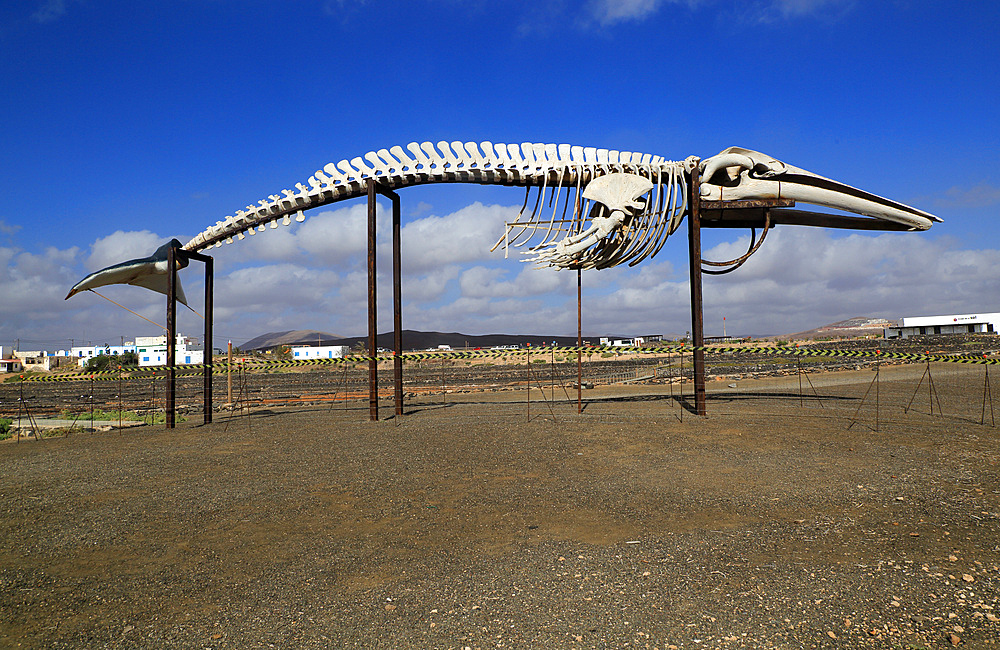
(319, 352)
(982, 323)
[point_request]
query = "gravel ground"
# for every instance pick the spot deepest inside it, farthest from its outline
(466, 525)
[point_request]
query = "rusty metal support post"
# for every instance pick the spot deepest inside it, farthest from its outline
(209, 317)
(171, 336)
(579, 340)
(697, 318)
(527, 363)
(372, 309)
(397, 304)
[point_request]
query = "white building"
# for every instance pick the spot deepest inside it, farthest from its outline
(82, 353)
(152, 350)
(320, 352)
(42, 360)
(623, 343)
(10, 365)
(954, 324)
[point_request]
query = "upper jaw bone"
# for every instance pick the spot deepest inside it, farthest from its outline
(753, 175)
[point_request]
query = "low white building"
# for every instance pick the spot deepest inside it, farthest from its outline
(152, 350)
(10, 365)
(42, 360)
(623, 343)
(987, 323)
(320, 352)
(83, 353)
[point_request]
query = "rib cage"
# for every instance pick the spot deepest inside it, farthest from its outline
(552, 169)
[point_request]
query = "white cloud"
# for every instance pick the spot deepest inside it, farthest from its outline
(123, 245)
(800, 278)
(427, 287)
(771, 11)
(275, 287)
(32, 283)
(7, 229)
(982, 195)
(484, 282)
(339, 238)
(609, 12)
(460, 237)
(49, 11)
(789, 8)
(805, 277)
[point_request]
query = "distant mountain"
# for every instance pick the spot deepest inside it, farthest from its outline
(290, 337)
(412, 340)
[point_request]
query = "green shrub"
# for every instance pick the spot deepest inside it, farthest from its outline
(99, 363)
(5, 428)
(128, 416)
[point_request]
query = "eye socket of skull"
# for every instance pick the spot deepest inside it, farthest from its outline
(725, 176)
(768, 169)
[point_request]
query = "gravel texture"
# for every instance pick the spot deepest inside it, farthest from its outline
(463, 524)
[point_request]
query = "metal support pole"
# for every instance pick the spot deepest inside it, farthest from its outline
(397, 304)
(209, 317)
(171, 335)
(372, 309)
(697, 319)
(579, 340)
(527, 363)
(229, 378)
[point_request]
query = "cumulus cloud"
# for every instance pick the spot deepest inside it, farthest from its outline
(460, 237)
(805, 277)
(800, 278)
(339, 238)
(484, 282)
(123, 245)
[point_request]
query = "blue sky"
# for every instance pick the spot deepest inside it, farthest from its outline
(126, 124)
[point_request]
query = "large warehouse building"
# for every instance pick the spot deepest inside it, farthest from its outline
(955, 324)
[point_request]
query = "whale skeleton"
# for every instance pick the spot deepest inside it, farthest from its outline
(616, 206)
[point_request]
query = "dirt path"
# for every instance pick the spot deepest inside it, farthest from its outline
(464, 524)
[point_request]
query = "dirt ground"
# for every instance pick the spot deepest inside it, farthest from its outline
(828, 516)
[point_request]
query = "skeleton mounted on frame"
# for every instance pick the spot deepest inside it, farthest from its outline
(624, 204)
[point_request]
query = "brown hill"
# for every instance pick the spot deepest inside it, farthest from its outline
(290, 337)
(856, 327)
(412, 340)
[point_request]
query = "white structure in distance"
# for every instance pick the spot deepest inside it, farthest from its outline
(152, 351)
(320, 352)
(954, 324)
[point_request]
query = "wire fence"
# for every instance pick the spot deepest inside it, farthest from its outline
(864, 391)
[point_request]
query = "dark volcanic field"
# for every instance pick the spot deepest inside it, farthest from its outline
(781, 520)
